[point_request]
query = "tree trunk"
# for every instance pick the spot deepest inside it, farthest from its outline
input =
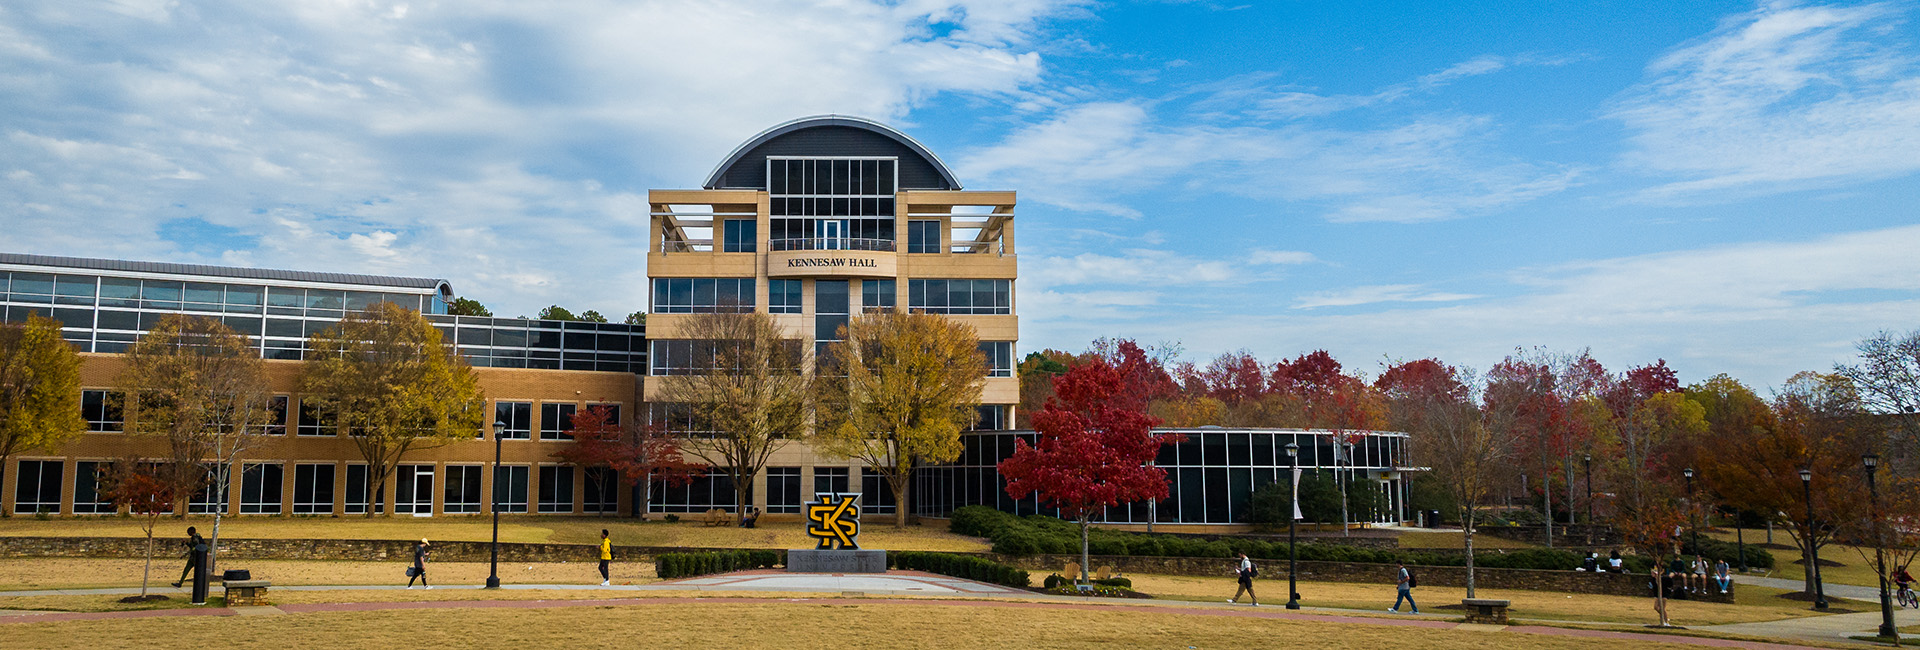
(1467, 526)
(1660, 593)
(900, 482)
(4, 511)
(649, 501)
(1546, 497)
(1806, 566)
(220, 475)
(148, 571)
(1085, 523)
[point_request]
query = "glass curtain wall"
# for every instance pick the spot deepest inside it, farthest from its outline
(831, 203)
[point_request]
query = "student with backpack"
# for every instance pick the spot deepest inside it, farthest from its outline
(1406, 585)
(1247, 572)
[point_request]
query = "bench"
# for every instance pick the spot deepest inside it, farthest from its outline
(247, 593)
(1486, 611)
(717, 517)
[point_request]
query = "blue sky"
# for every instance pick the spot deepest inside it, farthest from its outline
(1729, 186)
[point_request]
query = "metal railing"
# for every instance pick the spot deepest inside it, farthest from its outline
(831, 244)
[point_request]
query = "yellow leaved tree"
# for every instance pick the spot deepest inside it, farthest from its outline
(39, 389)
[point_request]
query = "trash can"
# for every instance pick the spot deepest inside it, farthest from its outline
(1431, 517)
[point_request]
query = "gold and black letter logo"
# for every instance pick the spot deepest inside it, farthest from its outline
(834, 519)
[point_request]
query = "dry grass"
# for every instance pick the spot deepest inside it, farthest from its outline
(1856, 570)
(1453, 539)
(841, 624)
(532, 529)
(1754, 603)
(90, 573)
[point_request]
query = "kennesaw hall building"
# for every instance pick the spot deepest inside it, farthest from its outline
(812, 221)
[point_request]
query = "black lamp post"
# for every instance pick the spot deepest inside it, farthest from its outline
(1693, 523)
(1887, 629)
(1293, 566)
(493, 569)
(1819, 590)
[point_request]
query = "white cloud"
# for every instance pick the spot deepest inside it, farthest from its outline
(504, 145)
(1136, 266)
(1781, 98)
(1281, 257)
(1378, 294)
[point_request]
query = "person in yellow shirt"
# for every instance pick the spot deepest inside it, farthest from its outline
(606, 555)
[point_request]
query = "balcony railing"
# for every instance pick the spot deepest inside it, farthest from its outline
(831, 244)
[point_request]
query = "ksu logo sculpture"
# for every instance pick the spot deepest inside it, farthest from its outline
(834, 519)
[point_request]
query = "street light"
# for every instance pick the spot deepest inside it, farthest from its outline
(493, 569)
(1887, 630)
(1819, 590)
(1293, 566)
(1692, 522)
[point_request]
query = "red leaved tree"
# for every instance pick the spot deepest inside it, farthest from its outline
(1095, 443)
(642, 454)
(146, 491)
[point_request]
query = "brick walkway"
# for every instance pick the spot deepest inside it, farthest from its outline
(1192, 609)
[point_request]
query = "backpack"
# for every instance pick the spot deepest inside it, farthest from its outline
(1412, 581)
(1253, 570)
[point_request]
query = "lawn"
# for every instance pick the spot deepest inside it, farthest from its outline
(1452, 539)
(90, 573)
(1754, 603)
(1854, 570)
(836, 624)
(521, 528)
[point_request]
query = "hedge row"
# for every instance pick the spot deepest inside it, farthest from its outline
(1055, 580)
(1714, 549)
(681, 565)
(960, 566)
(1037, 534)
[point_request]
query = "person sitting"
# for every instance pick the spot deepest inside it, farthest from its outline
(752, 517)
(1723, 575)
(1615, 564)
(1700, 572)
(1591, 563)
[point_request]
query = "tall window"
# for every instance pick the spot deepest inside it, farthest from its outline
(359, 495)
(783, 296)
(510, 488)
(739, 236)
(105, 410)
(877, 295)
(703, 295)
(831, 203)
(87, 497)
(923, 236)
(519, 419)
(960, 296)
(876, 494)
(999, 357)
(556, 421)
(210, 494)
(829, 311)
(313, 420)
(36, 486)
(783, 489)
(276, 423)
(313, 488)
(462, 494)
(260, 487)
(829, 479)
(556, 488)
(711, 490)
(993, 417)
(602, 494)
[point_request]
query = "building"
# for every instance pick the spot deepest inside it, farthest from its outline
(813, 221)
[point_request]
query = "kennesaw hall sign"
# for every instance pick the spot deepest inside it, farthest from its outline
(830, 264)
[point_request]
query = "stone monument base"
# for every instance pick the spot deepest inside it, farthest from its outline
(812, 560)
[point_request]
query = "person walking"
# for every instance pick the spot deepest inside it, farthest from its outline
(1405, 587)
(1246, 572)
(606, 556)
(196, 549)
(419, 569)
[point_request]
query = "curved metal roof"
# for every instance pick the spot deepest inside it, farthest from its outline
(768, 143)
(203, 270)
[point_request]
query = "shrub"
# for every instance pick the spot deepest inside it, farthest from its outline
(1714, 549)
(681, 565)
(961, 566)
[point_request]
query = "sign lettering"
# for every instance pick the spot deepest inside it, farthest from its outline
(834, 519)
(845, 262)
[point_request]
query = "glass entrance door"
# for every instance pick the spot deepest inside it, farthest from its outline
(413, 490)
(832, 233)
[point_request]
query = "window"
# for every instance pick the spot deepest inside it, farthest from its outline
(276, 421)
(602, 491)
(462, 493)
(923, 236)
(105, 410)
(829, 309)
(706, 492)
(211, 492)
(993, 417)
(556, 488)
(740, 236)
(703, 295)
(673, 417)
(999, 356)
(831, 203)
(510, 488)
(613, 413)
(37, 483)
(556, 420)
(314, 421)
(876, 494)
(960, 296)
(877, 295)
(358, 492)
(783, 296)
(313, 488)
(783, 489)
(87, 498)
(829, 479)
(260, 487)
(518, 417)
